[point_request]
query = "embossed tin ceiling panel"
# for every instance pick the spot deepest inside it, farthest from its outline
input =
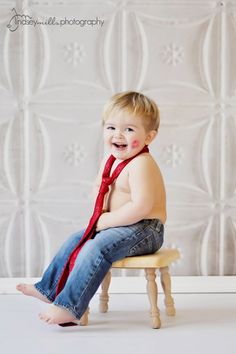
(54, 81)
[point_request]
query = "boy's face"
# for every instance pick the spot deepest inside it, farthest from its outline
(125, 135)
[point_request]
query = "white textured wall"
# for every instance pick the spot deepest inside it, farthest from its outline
(53, 84)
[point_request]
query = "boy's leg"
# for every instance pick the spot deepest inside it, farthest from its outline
(45, 289)
(93, 263)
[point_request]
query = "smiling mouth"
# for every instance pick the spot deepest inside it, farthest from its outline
(120, 146)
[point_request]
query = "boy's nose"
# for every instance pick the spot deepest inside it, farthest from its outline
(118, 133)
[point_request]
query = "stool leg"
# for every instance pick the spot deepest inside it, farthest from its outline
(84, 319)
(104, 297)
(153, 294)
(166, 285)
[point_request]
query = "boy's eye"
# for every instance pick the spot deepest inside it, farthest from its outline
(129, 129)
(110, 127)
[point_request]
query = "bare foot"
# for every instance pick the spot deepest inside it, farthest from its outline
(30, 290)
(56, 315)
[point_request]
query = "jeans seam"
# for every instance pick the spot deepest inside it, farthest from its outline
(135, 233)
(93, 275)
(139, 232)
(54, 285)
(146, 237)
(157, 230)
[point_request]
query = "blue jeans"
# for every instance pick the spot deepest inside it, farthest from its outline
(94, 261)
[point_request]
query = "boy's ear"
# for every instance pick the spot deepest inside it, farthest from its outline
(150, 136)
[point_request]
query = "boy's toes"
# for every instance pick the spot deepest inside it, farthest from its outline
(43, 317)
(20, 287)
(50, 321)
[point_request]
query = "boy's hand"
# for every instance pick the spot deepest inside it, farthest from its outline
(101, 224)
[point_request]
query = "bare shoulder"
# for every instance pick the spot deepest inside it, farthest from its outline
(144, 162)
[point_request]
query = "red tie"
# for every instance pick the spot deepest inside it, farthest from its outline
(91, 228)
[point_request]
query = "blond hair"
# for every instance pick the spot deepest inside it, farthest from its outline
(136, 104)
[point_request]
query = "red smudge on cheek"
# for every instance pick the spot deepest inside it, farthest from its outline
(135, 144)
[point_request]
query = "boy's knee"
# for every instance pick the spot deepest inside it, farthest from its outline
(95, 247)
(90, 247)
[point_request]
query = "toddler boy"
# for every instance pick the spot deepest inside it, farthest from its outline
(133, 217)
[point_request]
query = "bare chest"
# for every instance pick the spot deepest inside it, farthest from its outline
(121, 183)
(119, 192)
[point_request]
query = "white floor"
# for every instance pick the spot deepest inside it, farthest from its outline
(204, 323)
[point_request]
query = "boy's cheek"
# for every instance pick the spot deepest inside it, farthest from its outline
(135, 144)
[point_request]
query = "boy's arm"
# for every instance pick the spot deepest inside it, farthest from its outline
(142, 186)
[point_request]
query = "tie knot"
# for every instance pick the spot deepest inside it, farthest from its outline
(106, 181)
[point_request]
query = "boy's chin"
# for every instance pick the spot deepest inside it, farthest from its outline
(119, 154)
(122, 155)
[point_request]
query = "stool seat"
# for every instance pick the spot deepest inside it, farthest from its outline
(159, 259)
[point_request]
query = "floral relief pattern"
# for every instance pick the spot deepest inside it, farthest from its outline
(74, 53)
(74, 154)
(172, 54)
(173, 155)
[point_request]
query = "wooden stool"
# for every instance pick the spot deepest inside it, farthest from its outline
(150, 262)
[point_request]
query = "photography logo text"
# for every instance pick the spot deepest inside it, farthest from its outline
(26, 20)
